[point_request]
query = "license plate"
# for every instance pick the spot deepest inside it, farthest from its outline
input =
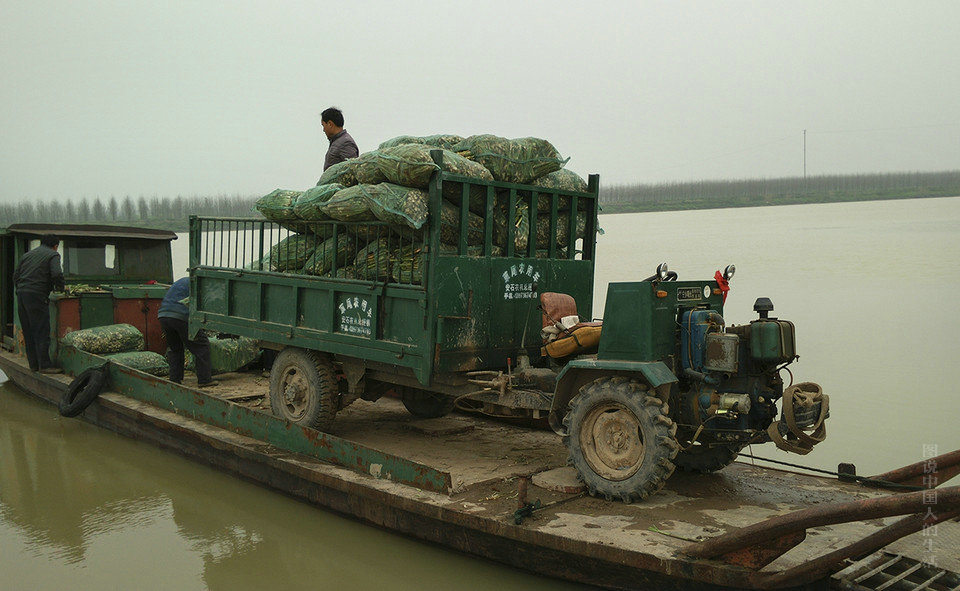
(688, 294)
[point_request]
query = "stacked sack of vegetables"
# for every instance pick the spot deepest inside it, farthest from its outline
(390, 185)
(120, 343)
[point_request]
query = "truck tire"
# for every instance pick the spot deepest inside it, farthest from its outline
(426, 405)
(702, 459)
(303, 388)
(620, 439)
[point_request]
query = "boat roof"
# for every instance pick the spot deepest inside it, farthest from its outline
(90, 231)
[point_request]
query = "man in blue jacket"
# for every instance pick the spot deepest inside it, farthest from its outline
(173, 315)
(37, 274)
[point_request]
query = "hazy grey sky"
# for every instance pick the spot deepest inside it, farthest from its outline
(195, 98)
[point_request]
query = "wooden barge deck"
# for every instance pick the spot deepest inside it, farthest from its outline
(457, 482)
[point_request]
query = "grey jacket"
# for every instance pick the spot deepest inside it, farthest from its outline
(39, 271)
(341, 148)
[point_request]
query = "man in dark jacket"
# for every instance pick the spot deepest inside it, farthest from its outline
(36, 276)
(173, 315)
(342, 145)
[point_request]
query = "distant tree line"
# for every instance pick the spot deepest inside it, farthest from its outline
(746, 192)
(143, 210)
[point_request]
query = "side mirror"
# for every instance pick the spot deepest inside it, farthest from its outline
(729, 272)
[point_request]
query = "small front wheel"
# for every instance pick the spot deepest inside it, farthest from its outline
(620, 439)
(303, 388)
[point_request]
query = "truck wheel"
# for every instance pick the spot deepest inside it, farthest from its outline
(620, 439)
(703, 458)
(303, 388)
(426, 405)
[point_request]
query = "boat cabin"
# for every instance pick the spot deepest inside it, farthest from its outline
(113, 274)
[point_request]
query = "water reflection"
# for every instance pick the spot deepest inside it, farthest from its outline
(81, 507)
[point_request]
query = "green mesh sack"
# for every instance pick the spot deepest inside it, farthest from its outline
(406, 264)
(563, 229)
(264, 264)
(349, 205)
(145, 361)
(411, 165)
(562, 180)
(443, 141)
(373, 261)
(278, 206)
(520, 223)
(112, 338)
(291, 253)
(342, 173)
(450, 225)
(327, 252)
(309, 203)
(349, 272)
(367, 168)
(227, 354)
(472, 251)
(514, 161)
(397, 205)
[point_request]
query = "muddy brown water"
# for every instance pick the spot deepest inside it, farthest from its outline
(870, 287)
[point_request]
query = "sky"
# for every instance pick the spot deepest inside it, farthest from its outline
(167, 98)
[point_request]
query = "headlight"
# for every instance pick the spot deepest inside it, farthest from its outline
(662, 271)
(729, 271)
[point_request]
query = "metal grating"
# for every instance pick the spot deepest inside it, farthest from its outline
(885, 571)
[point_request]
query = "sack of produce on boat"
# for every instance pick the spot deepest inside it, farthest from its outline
(450, 225)
(278, 206)
(309, 203)
(342, 173)
(373, 261)
(444, 141)
(340, 249)
(112, 338)
(397, 205)
(411, 165)
(367, 168)
(227, 354)
(514, 161)
(145, 361)
(349, 205)
(291, 253)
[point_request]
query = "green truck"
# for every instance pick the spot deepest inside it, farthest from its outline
(457, 314)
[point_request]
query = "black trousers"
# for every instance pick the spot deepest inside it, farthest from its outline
(34, 312)
(176, 332)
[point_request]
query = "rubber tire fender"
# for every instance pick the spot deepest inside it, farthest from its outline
(83, 390)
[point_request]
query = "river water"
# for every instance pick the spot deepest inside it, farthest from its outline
(868, 285)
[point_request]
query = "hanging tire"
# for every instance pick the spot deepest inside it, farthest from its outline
(426, 405)
(303, 388)
(703, 459)
(620, 439)
(82, 391)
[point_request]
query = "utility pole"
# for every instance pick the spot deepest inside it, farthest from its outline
(804, 153)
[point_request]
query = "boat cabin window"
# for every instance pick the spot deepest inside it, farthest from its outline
(146, 259)
(89, 258)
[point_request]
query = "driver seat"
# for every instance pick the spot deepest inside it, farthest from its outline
(564, 333)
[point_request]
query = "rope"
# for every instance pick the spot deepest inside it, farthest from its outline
(865, 480)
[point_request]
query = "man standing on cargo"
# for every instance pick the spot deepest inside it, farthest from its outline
(173, 315)
(342, 145)
(36, 276)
